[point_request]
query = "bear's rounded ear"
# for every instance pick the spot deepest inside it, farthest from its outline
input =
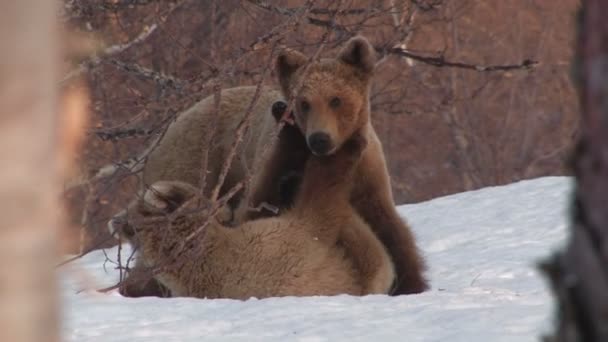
(287, 63)
(168, 195)
(359, 53)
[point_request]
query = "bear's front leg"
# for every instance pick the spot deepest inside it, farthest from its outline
(372, 198)
(279, 176)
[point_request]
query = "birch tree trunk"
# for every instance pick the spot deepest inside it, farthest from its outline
(579, 275)
(29, 176)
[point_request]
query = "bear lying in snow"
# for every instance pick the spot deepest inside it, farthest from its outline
(314, 248)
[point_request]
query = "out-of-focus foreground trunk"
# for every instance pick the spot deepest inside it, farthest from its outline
(29, 175)
(579, 275)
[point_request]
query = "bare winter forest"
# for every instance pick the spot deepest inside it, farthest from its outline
(467, 94)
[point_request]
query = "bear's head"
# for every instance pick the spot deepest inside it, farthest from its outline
(331, 95)
(162, 203)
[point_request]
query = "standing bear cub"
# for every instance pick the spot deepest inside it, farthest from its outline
(331, 104)
(314, 248)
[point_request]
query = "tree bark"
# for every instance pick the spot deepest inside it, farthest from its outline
(579, 275)
(29, 177)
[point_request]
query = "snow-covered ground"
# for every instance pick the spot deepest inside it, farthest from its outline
(481, 246)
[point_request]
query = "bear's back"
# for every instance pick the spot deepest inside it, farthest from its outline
(178, 154)
(276, 257)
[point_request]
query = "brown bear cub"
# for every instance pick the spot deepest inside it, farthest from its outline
(317, 247)
(331, 104)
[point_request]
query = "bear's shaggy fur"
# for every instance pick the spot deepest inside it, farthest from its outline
(315, 248)
(331, 104)
(178, 154)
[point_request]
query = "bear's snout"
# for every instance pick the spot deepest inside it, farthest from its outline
(320, 143)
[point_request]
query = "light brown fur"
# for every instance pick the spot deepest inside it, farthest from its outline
(315, 248)
(178, 155)
(348, 78)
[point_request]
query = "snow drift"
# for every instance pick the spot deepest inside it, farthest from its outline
(482, 248)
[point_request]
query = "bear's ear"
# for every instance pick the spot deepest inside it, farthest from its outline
(167, 196)
(287, 63)
(359, 53)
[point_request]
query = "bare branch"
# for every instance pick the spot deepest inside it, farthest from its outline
(145, 73)
(110, 51)
(239, 134)
(437, 61)
(441, 61)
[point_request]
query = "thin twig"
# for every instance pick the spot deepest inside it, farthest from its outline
(116, 49)
(441, 61)
(145, 73)
(437, 61)
(110, 51)
(217, 99)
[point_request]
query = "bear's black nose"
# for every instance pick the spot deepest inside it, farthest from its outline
(278, 108)
(319, 143)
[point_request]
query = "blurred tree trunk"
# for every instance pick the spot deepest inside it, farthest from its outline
(29, 173)
(579, 275)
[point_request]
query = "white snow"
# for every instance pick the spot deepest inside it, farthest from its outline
(482, 248)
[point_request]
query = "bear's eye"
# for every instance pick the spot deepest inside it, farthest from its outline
(304, 106)
(335, 102)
